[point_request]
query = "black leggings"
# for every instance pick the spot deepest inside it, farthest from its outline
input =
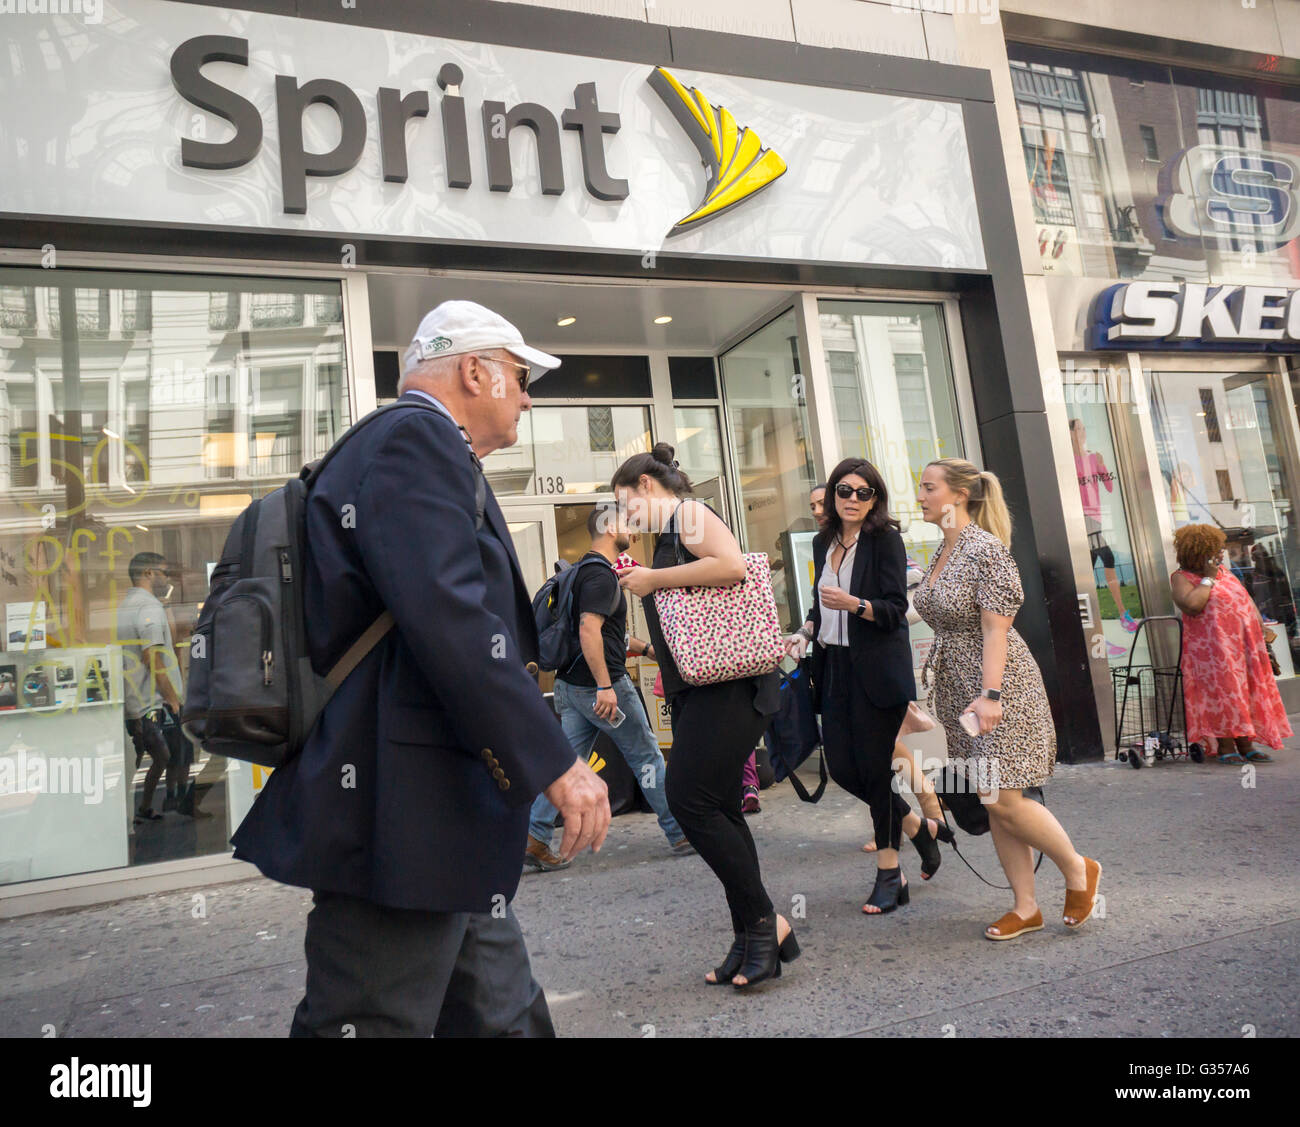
(715, 728)
(859, 742)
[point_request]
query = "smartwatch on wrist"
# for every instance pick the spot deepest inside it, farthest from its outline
(1206, 581)
(991, 694)
(862, 607)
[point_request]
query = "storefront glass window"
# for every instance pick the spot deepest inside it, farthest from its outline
(1101, 491)
(895, 405)
(1216, 439)
(568, 450)
(1241, 136)
(767, 413)
(143, 424)
(1137, 170)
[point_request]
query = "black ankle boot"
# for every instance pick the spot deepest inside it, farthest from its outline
(763, 954)
(731, 964)
(928, 847)
(888, 892)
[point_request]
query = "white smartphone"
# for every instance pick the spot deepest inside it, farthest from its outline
(970, 724)
(619, 717)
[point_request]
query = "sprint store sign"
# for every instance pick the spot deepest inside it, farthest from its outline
(205, 117)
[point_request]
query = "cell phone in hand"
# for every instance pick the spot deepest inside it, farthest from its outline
(619, 717)
(970, 724)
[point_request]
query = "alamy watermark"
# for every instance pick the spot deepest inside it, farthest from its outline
(21, 773)
(976, 774)
(987, 10)
(1080, 384)
(92, 11)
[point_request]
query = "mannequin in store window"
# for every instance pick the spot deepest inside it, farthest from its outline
(1092, 473)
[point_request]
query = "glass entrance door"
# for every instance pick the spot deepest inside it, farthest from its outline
(532, 528)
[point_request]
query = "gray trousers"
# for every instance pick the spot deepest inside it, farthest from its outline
(374, 971)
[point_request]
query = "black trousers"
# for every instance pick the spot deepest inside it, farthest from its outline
(715, 729)
(859, 739)
(374, 971)
(148, 740)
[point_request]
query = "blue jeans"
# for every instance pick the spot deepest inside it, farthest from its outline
(633, 738)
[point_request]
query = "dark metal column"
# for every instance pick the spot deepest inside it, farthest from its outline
(1011, 414)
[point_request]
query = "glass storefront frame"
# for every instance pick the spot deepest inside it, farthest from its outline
(108, 884)
(1151, 527)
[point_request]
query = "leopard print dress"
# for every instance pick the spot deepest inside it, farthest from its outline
(981, 574)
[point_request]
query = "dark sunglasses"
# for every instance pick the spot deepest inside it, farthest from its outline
(845, 491)
(522, 370)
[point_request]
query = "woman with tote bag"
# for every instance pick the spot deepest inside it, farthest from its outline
(716, 723)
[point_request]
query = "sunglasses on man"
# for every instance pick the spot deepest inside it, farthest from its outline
(522, 375)
(844, 491)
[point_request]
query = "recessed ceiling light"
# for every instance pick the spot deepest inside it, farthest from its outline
(662, 320)
(564, 322)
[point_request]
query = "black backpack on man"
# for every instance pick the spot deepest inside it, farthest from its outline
(253, 694)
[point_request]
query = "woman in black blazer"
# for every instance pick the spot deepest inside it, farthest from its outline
(862, 663)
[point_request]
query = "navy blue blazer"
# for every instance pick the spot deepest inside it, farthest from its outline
(878, 649)
(414, 787)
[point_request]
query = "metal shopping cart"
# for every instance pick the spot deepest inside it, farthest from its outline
(1150, 722)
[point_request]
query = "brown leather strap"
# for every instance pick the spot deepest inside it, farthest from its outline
(362, 646)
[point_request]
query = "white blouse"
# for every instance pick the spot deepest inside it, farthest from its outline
(835, 623)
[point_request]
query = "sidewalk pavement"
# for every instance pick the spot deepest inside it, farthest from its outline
(1200, 935)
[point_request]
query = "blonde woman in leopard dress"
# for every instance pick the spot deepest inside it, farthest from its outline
(980, 665)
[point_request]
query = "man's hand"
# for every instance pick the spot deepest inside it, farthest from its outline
(606, 704)
(583, 801)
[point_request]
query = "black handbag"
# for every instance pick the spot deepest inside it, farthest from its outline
(792, 733)
(961, 799)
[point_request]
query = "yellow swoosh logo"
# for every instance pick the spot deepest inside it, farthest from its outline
(738, 165)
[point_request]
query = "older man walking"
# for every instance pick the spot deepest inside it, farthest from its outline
(407, 811)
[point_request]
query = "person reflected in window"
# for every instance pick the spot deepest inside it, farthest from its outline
(1090, 469)
(148, 662)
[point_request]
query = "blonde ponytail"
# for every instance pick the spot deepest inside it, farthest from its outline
(986, 504)
(991, 512)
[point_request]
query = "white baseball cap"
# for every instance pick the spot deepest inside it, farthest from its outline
(457, 327)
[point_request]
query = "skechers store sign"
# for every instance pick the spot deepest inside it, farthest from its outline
(1193, 316)
(207, 118)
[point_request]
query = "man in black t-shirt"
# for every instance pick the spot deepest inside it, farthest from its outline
(591, 693)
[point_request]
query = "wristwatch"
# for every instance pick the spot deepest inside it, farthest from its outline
(991, 694)
(862, 608)
(1206, 581)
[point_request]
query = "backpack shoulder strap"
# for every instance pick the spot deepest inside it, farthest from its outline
(358, 650)
(377, 630)
(573, 582)
(312, 470)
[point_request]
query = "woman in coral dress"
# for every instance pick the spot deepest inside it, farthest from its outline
(1230, 694)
